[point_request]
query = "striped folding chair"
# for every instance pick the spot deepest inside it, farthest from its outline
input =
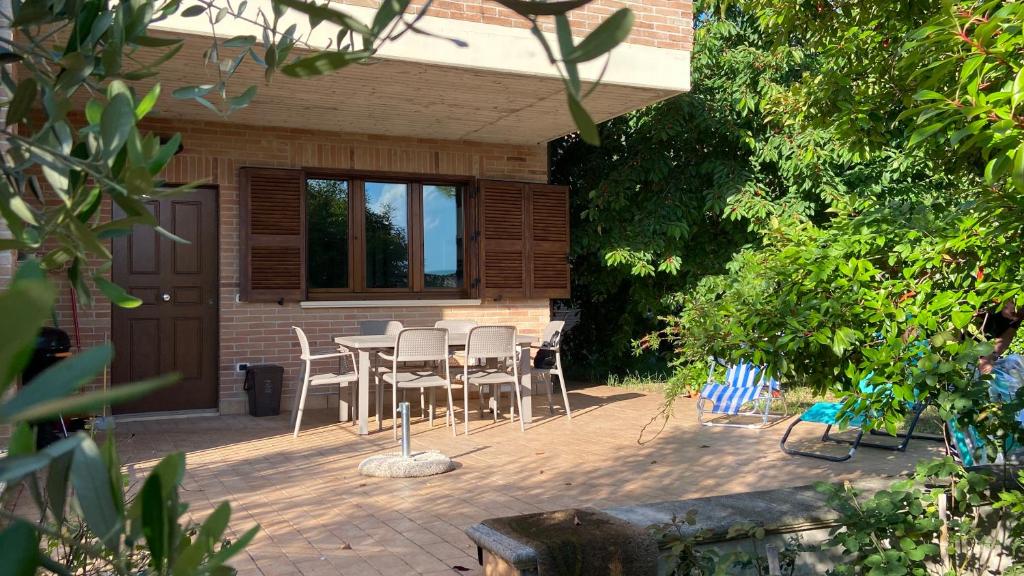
(746, 391)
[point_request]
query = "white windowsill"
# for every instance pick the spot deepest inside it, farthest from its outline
(389, 303)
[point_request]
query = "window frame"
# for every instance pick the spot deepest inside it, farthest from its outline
(416, 290)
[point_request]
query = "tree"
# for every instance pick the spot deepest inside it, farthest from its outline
(891, 282)
(60, 166)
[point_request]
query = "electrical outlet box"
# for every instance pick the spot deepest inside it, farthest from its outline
(243, 367)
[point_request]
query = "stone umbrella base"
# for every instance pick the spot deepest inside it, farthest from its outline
(418, 464)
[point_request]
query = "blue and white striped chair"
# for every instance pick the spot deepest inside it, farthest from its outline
(745, 392)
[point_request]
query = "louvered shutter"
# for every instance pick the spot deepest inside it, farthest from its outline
(548, 245)
(272, 235)
(502, 219)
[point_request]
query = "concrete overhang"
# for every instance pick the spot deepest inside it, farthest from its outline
(500, 88)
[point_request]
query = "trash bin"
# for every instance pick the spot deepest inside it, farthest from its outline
(263, 383)
(52, 346)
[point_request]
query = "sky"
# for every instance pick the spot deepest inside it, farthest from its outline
(440, 220)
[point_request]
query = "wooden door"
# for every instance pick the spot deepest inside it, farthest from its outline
(175, 328)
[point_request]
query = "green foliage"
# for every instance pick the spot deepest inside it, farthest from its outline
(681, 552)
(899, 530)
(877, 250)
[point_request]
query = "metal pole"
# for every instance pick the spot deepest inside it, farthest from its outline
(403, 408)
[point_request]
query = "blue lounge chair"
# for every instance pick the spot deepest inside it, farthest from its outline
(746, 391)
(828, 413)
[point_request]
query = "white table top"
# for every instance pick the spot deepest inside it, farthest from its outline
(384, 342)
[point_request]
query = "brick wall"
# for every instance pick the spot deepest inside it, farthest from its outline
(261, 333)
(659, 23)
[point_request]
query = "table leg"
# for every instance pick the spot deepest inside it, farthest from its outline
(364, 391)
(526, 384)
(344, 408)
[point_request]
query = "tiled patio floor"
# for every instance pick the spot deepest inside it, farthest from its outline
(319, 516)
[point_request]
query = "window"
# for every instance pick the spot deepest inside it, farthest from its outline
(380, 236)
(327, 233)
(321, 234)
(442, 237)
(386, 224)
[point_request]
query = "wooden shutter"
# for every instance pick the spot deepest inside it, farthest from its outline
(524, 240)
(502, 265)
(548, 245)
(272, 235)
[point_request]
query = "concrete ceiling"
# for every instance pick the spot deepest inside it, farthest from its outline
(400, 98)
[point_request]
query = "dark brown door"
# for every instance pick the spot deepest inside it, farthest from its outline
(175, 328)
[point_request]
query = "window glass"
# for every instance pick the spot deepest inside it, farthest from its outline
(442, 236)
(327, 233)
(387, 235)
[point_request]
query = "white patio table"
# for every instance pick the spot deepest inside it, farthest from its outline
(364, 346)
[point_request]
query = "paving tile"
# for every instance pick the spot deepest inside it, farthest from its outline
(318, 516)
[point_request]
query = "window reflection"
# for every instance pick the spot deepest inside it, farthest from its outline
(327, 233)
(442, 237)
(387, 235)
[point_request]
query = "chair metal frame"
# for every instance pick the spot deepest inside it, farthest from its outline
(765, 394)
(917, 409)
(326, 379)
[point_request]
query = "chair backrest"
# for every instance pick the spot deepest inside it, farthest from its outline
(421, 345)
(303, 343)
(380, 327)
(456, 326)
(484, 342)
(747, 374)
(552, 337)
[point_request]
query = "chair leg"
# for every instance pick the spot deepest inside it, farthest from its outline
(519, 401)
(465, 406)
(394, 411)
(561, 382)
(495, 402)
(302, 405)
(551, 385)
(830, 458)
(565, 395)
(511, 405)
(423, 403)
(451, 412)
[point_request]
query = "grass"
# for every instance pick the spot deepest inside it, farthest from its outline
(636, 381)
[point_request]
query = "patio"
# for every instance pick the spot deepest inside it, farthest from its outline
(319, 516)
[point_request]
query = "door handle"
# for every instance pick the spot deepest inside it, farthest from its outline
(166, 297)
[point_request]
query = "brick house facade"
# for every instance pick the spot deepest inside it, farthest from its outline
(277, 131)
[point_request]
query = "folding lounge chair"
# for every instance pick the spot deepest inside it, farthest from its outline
(745, 392)
(828, 413)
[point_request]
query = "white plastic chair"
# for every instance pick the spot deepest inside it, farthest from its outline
(420, 345)
(497, 343)
(455, 326)
(551, 341)
(325, 379)
(379, 328)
